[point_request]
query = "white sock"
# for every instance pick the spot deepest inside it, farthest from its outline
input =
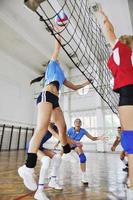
(83, 173)
(53, 178)
(43, 171)
(56, 162)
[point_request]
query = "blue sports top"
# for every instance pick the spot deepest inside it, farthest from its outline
(54, 73)
(76, 135)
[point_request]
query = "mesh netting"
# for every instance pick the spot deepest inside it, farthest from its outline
(83, 42)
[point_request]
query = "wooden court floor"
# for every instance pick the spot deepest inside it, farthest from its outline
(104, 173)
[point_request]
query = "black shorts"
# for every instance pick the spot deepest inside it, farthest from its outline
(126, 95)
(48, 97)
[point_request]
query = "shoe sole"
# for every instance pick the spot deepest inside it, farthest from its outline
(55, 188)
(39, 198)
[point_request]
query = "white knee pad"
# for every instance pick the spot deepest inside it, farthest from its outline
(45, 162)
(56, 161)
(56, 158)
(44, 169)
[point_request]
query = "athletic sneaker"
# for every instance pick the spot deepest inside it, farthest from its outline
(84, 179)
(53, 183)
(129, 194)
(40, 195)
(27, 174)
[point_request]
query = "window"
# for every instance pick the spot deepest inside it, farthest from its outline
(93, 122)
(111, 124)
(111, 120)
(108, 121)
(87, 122)
(111, 134)
(116, 121)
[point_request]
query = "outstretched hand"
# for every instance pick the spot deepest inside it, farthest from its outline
(101, 10)
(103, 138)
(112, 148)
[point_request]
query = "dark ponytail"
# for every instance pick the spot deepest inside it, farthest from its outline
(38, 79)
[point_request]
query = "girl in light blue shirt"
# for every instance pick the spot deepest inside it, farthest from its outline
(48, 107)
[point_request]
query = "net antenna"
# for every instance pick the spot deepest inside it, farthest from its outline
(82, 40)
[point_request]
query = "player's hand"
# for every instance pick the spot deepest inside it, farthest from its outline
(103, 14)
(58, 29)
(112, 148)
(103, 138)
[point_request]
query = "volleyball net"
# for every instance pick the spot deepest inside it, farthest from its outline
(82, 40)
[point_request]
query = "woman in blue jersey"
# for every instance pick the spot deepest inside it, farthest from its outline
(76, 133)
(48, 106)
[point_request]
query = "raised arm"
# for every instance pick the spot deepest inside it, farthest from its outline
(57, 45)
(109, 29)
(73, 86)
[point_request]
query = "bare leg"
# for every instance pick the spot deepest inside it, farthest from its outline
(130, 160)
(59, 120)
(126, 119)
(82, 157)
(43, 118)
(79, 150)
(26, 172)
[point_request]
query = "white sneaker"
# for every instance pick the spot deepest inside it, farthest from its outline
(40, 195)
(84, 179)
(129, 194)
(53, 183)
(27, 174)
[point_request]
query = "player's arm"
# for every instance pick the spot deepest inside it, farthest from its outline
(57, 45)
(92, 137)
(109, 28)
(75, 87)
(115, 144)
(101, 137)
